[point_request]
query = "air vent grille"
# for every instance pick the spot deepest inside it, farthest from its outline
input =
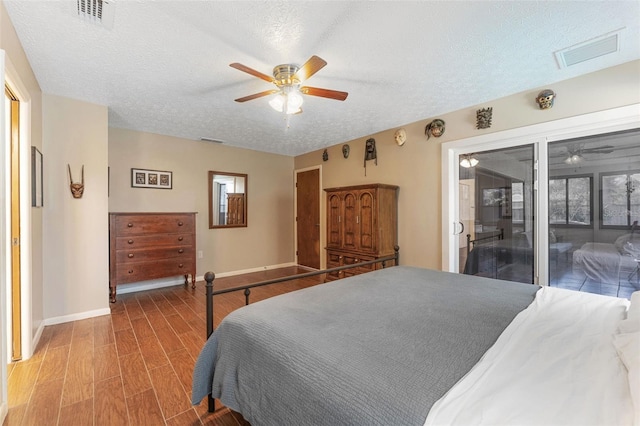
(600, 46)
(96, 11)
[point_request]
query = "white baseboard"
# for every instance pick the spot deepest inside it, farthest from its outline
(142, 286)
(76, 317)
(248, 271)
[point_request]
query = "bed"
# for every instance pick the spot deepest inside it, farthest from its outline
(606, 262)
(411, 346)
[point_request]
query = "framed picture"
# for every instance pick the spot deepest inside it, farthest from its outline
(37, 199)
(143, 178)
(492, 196)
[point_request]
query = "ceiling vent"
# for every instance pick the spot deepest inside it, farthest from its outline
(211, 140)
(591, 49)
(100, 12)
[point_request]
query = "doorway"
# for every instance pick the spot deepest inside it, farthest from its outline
(308, 218)
(496, 205)
(12, 136)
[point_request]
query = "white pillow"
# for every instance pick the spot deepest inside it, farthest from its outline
(632, 323)
(628, 347)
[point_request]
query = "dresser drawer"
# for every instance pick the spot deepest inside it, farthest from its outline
(126, 225)
(142, 271)
(141, 255)
(143, 241)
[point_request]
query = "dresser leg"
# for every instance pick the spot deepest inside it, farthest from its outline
(193, 281)
(112, 294)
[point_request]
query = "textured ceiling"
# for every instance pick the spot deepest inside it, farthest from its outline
(164, 65)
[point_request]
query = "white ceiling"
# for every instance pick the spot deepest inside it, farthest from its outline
(164, 65)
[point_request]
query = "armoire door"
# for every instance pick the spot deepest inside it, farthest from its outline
(366, 221)
(350, 225)
(334, 220)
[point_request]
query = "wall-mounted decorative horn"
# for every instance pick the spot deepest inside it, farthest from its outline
(76, 188)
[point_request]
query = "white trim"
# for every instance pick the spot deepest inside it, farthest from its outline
(77, 317)
(612, 120)
(12, 78)
(4, 314)
(171, 282)
(259, 269)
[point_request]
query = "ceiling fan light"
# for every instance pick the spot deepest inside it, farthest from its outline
(468, 161)
(573, 159)
(294, 100)
(277, 102)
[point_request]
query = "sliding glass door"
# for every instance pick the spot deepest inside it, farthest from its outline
(496, 214)
(594, 209)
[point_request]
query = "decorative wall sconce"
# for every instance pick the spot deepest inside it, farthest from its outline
(483, 118)
(325, 155)
(76, 188)
(400, 136)
(435, 128)
(345, 150)
(546, 98)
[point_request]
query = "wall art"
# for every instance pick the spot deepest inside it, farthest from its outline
(37, 199)
(143, 178)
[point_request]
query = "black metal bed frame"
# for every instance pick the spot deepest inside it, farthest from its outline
(210, 276)
(499, 235)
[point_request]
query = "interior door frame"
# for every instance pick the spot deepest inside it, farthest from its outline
(321, 206)
(29, 339)
(540, 135)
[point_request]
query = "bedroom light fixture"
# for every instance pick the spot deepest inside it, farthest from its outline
(288, 100)
(468, 160)
(573, 159)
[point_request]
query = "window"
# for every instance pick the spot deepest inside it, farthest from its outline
(620, 198)
(570, 201)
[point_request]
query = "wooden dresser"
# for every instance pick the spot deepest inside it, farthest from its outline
(146, 246)
(362, 225)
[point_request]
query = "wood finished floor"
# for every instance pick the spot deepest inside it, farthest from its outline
(132, 367)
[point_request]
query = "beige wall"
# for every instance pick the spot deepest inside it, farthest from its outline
(76, 237)
(267, 241)
(416, 166)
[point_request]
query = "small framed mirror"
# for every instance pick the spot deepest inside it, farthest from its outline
(227, 200)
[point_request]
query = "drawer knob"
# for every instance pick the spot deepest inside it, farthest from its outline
(130, 242)
(130, 255)
(180, 223)
(131, 271)
(180, 238)
(180, 265)
(130, 225)
(181, 251)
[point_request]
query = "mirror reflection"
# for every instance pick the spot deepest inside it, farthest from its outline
(227, 199)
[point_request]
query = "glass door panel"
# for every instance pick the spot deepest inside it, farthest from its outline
(496, 211)
(594, 201)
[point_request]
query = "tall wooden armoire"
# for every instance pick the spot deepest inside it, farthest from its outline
(362, 225)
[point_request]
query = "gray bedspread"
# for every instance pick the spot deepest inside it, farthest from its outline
(374, 349)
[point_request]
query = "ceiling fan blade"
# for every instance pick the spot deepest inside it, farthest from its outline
(253, 72)
(257, 95)
(324, 93)
(312, 66)
(604, 149)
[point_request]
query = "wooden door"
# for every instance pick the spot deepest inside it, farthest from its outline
(350, 221)
(308, 218)
(366, 220)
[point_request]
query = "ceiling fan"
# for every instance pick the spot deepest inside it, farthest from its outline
(288, 79)
(576, 153)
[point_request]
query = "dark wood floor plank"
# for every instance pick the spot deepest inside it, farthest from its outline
(144, 409)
